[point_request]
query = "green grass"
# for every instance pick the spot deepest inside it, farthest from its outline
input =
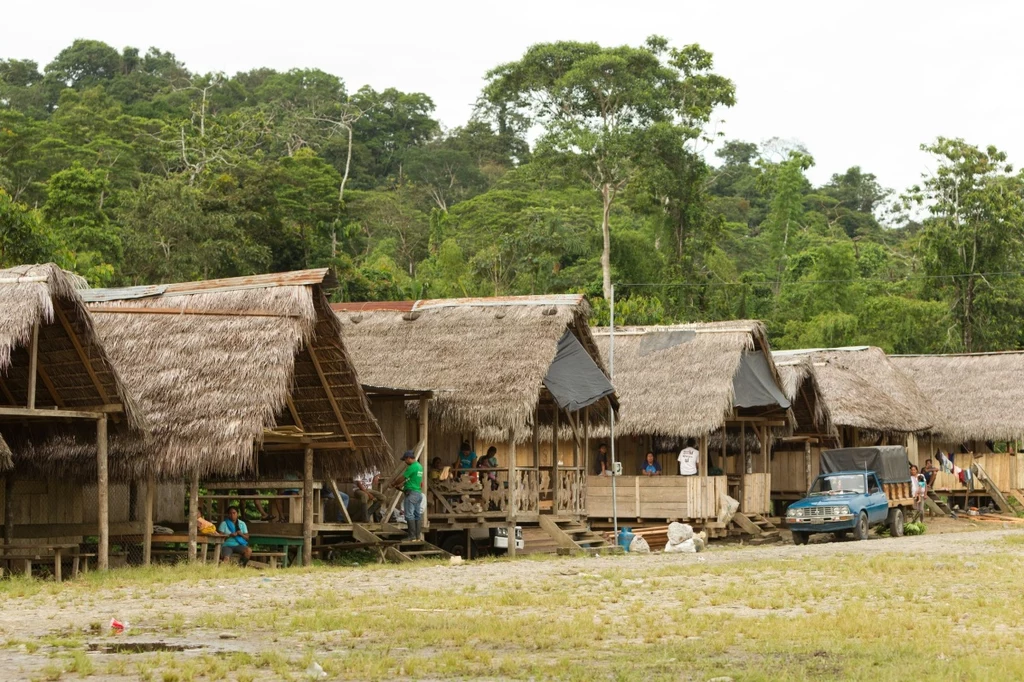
(854, 616)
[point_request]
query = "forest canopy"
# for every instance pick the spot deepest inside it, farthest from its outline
(582, 166)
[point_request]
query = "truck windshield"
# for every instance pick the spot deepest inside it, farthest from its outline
(838, 483)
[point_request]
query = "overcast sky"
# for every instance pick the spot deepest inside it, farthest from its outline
(858, 83)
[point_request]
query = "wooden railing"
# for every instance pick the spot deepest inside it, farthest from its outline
(571, 494)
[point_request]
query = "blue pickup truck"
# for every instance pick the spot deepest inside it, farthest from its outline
(858, 488)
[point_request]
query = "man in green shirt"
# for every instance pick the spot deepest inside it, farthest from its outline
(411, 483)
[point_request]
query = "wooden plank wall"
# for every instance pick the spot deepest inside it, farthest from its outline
(656, 498)
(394, 424)
(788, 470)
(45, 501)
(757, 497)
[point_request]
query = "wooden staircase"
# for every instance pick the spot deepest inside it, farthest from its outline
(993, 490)
(574, 537)
(536, 540)
(758, 527)
(390, 541)
(938, 506)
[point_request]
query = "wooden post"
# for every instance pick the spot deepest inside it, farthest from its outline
(102, 505)
(513, 494)
(9, 508)
(33, 366)
(307, 508)
(764, 448)
(425, 459)
(704, 456)
(536, 442)
(586, 442)
(193, 516)
(744, 464)
(807, 465)
(147, 531)
(554, 460)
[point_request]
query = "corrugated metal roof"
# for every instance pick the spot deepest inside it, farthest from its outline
(322, 276)
(480, 302)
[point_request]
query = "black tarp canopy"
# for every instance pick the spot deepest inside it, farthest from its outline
(754, 385)
(573, 378)
(888, 461)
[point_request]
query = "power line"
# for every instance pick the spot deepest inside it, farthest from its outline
(882, 280)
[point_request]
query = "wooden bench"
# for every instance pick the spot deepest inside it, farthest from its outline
(43, 553)
(273, 556)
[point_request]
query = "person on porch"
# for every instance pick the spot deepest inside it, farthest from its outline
(688, 458)
(651, 466)
(601, 461)
(369, 499)
(466, 461)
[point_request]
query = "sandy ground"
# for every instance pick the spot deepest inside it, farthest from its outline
(82, 613)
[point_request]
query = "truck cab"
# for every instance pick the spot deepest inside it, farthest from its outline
(838, 503)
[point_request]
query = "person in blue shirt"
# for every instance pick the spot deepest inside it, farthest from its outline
(466, 459)
(651, 466)
(237, 541)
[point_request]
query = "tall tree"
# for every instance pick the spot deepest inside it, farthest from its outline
(597, 103)
(976, 227)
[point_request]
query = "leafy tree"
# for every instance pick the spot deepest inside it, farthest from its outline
(597, 105)
(74, 211)
(975, 226)
(23, 238)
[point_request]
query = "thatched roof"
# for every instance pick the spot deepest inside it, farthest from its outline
(975, 395)
(486, 358)
(684, 390)
(800, 384)
(862, 389)
(74, 372)
(216, 364)
(6, 458)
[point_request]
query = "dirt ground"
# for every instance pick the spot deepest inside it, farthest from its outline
(350, 621)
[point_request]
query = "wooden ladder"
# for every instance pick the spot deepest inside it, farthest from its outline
(573, 536)
(993, 490)
(938, 506)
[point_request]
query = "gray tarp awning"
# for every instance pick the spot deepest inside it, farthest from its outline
(754, 385)
(888, 461)
(573, 378)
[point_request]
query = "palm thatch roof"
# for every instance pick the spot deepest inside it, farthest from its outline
(975, 395)
(485, 358)
(683, 389)
(800, 384)
(74, 371)
(222, 367)
(861, 388)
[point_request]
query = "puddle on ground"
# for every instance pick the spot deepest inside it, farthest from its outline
(138, 647)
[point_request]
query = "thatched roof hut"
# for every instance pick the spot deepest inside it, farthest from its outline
(74, 373)
(862, 389)
(223, 367)
(975, 395)
(800, 384)
(485, 358)
(681, 380)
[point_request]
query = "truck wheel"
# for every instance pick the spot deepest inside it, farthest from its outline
(800, 538)
(860, 531)
(455, 544)
(896, 522)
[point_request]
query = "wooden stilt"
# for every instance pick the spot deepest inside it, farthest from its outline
(703, 459)
(425, 457)
(586, 441)
(554, 460)
(147, 516)
(513, 493)
(193, 516)
(102, 503)
(9, 508)
(307, 508)
(33, 366)
(744, 463)
(807, 466)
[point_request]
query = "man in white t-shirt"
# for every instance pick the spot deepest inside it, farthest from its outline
(688, 458)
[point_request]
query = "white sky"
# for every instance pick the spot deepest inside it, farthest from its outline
(858, 83)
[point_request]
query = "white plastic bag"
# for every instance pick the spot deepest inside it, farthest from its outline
(679, 532)
(639, 546)
(685, 547)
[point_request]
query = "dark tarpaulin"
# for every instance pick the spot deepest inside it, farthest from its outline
(754, 385)
(888, 461)
(573, 378)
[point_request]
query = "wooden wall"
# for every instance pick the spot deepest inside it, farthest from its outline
(661, 498)
(788, 469)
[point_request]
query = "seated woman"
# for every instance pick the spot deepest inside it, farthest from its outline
(651, 466)
(237, 541)
(489, 461)
(465, 461)
(436, 469)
